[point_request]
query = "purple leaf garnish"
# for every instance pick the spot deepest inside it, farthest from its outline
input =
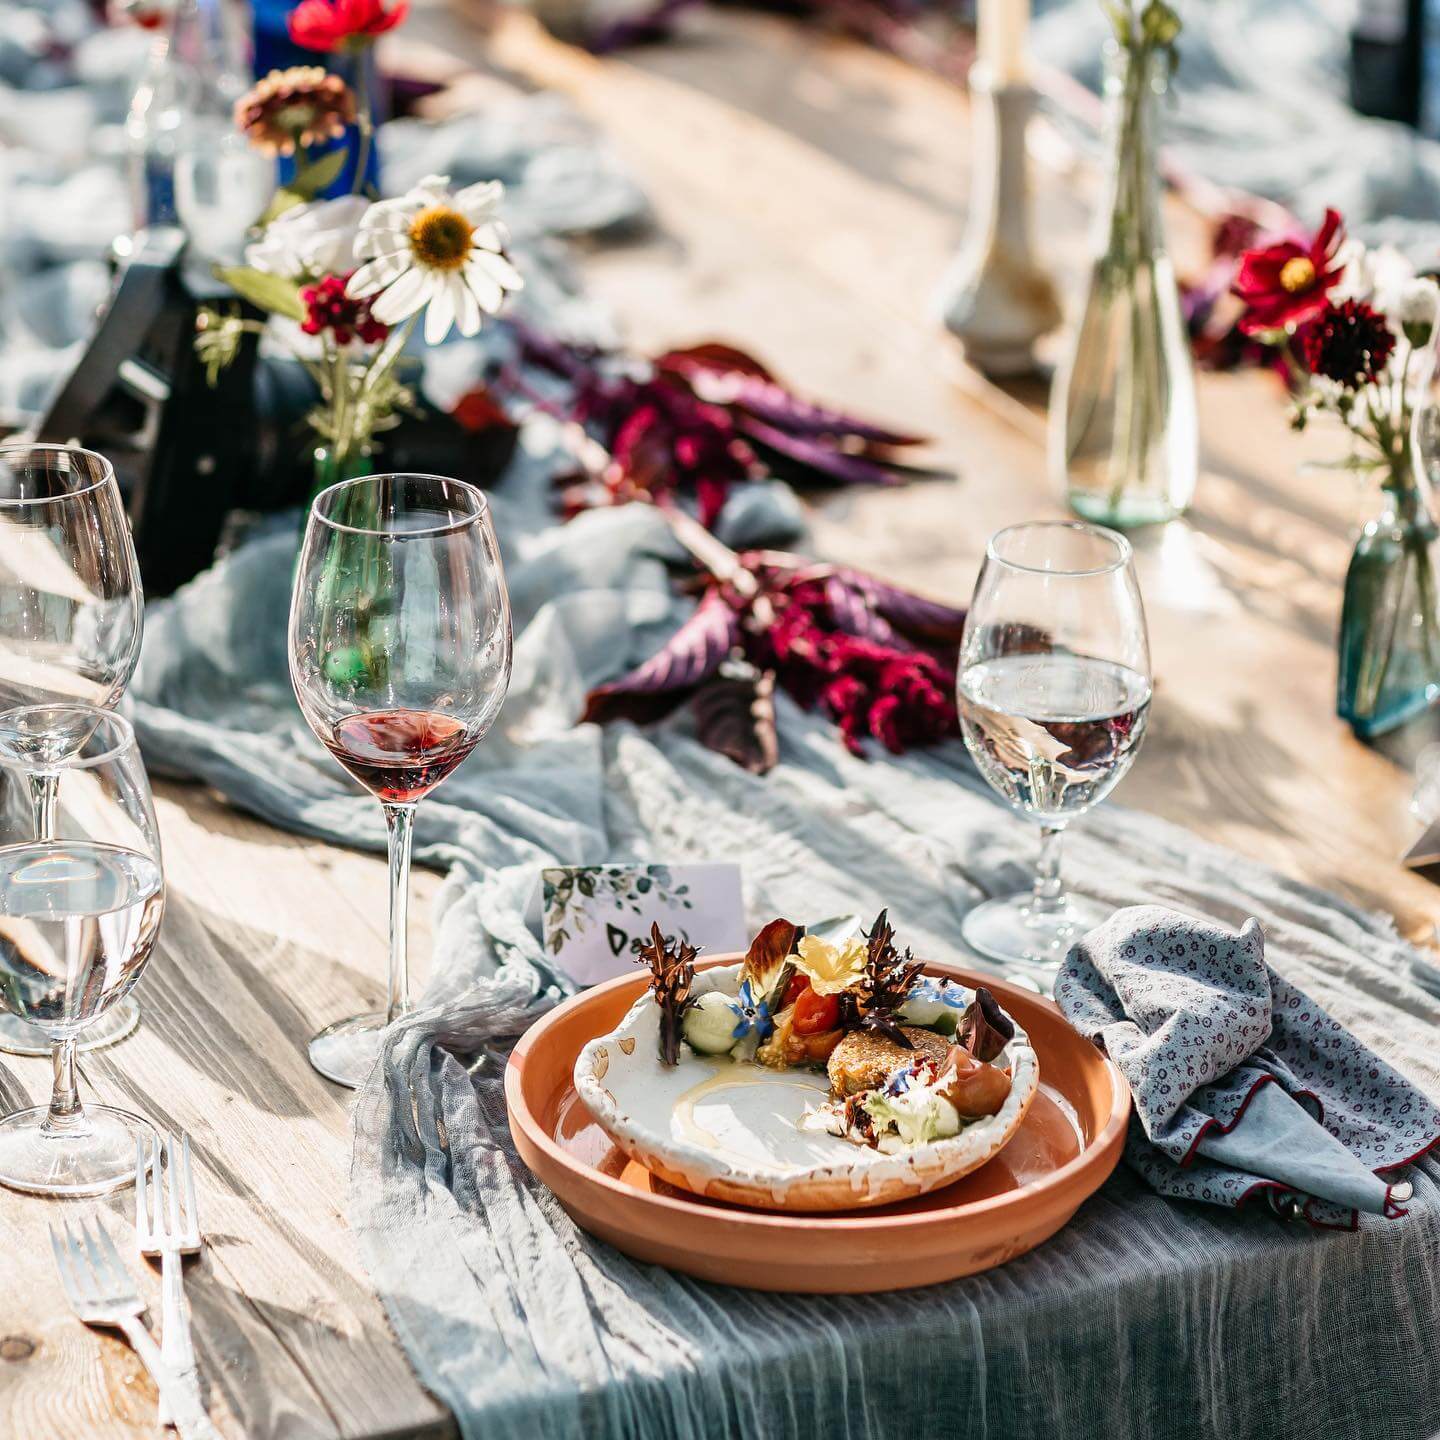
(913, 615)
(818, 455)
(692, 653)
(735, 716)
(984, 1028)
(672, 969)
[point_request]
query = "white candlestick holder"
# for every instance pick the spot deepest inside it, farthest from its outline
(996, 298)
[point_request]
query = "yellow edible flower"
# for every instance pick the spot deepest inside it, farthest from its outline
(832, 968)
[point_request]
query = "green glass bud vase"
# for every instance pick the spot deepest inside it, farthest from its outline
(332, 463)
(1389, 628)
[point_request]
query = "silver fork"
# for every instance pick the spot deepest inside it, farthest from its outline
(102, 1292)
(169, 1232)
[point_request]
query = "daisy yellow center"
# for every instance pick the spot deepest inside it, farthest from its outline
(440, 237)
(1297, 274)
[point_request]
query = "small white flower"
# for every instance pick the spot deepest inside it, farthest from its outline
(438, 250)
(310, 240)
(1375, 276)
(1417, 305)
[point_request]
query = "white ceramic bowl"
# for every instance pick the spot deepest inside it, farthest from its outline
(728, 1129)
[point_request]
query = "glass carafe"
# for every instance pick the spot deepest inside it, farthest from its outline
(1123, 439)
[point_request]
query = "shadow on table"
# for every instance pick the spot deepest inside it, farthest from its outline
(228, 1020)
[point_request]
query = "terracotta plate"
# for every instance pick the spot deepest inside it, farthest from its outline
(1067, 1146)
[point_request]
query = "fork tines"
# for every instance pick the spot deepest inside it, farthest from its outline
(156, 1223)
(91, 1269)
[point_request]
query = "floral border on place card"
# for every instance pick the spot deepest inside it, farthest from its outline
(594, 917)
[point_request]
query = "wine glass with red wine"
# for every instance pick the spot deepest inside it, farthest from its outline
(400, 656)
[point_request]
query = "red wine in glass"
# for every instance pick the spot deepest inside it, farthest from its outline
(399, 755)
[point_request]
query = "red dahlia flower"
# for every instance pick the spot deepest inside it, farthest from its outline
(1287, 284)
(331, 25)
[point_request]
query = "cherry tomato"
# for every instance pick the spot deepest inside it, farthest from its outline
(815, 1012)
(799, 983)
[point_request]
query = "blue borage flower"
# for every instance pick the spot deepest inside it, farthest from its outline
(754, 1014)
(945, 992)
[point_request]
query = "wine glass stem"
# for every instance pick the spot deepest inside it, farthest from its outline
(400, 819)
(1049, 897)
(65, 1116)
(44, 790)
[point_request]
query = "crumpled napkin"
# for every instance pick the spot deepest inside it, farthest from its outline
(1242, 1084)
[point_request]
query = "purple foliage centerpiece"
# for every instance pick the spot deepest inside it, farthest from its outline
(876, 659)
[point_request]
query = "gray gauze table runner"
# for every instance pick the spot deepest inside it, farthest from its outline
(1145, 1316)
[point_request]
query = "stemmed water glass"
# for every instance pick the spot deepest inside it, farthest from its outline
(400, 657)
(1054, 694)
(80, 908)
(71, 612)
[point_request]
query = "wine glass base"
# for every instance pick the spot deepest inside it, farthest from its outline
(346, 1051)
(20, 1037)
(95, 1159)
(1010, 931)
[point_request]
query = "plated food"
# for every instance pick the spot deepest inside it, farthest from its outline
(824, 1071)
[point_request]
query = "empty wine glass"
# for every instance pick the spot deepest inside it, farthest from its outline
(222, 184)
(79, 912)
(400, 658)
(71, 611)
(1054, 694)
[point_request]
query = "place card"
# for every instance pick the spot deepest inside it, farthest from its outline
(594, 917)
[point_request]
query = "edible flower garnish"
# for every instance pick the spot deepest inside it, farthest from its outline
(754, 1013)
(672, 969)
(883, 985)
(984, 1029)
(832, 968)
(768, 963)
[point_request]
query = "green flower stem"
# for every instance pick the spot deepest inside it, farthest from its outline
(363, 121)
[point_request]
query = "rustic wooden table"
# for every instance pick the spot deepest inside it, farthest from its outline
(808, 193)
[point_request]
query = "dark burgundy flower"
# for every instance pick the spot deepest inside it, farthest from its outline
(327, 307)
(1349, 344)
(1287, 284)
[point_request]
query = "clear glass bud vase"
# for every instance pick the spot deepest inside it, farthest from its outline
(1389, 630)
(1122, 415)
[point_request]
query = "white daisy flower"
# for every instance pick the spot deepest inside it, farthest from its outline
(435, 250)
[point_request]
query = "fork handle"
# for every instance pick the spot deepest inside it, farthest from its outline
(187, 1413)
(176, 1345)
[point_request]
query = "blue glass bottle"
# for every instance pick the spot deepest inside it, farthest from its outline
(1389, 627)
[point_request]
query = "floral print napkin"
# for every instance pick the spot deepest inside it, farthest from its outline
(1242, 1084)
